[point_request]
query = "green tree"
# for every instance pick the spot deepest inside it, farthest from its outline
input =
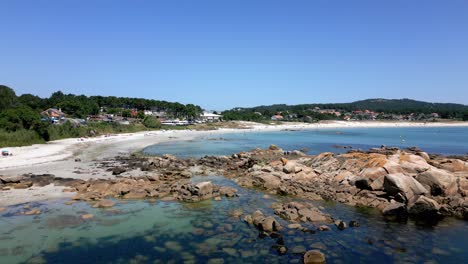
(151, 122)
(126, 113)
(141, 115)
(8, 98)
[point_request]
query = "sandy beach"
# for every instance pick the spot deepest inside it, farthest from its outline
(77, 157)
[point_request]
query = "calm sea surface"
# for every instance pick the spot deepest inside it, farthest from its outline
(173, 232)
(441, 140)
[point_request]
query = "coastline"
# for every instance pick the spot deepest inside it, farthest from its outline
(59, 150)
(78, 158)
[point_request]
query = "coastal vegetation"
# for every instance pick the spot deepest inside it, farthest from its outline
(21, 122)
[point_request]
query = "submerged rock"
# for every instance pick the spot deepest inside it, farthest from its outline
(64, 221)
(341, 225)
(314, 257)
(104, 204)
(296, 212)
(263, 223)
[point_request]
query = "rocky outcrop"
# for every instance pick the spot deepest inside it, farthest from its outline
(440, 182)
(299, 212)
(195, 192)
(263, 223)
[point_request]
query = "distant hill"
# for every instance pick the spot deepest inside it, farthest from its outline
(389, 106)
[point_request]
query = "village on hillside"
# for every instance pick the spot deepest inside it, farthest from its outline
(128, 116)
(356, 115)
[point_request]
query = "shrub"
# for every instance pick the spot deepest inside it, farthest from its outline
(151, 122)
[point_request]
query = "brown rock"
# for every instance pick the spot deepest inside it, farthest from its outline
(136, 194)
(406, 185)
(33, 212)
(454, 165)
(440, 182)
(87, 216)
(104, 204)
(290, 167)
(314, 257)
(227, 191)
(273, 147)
(23, 185)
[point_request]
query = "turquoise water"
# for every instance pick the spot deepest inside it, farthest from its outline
(440, 140)
(172, 232)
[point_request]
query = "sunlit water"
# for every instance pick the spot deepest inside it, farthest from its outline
(441, 140)
(173, 232)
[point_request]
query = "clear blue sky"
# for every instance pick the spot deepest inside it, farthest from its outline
(222, 54)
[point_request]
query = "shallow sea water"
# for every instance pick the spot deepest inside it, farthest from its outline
(173, 232)
(441, 140)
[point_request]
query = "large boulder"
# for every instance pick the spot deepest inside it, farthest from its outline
(204, 190)
(454, 165)
(407, 186)
(439, 181)
(463, 186)
(411, 163)
(266, 180)
(372, 173)
(290, 167)
(424, 208)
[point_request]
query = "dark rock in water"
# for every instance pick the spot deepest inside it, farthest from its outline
(340, 224)
(295, 211)
(282, 250)
(353, 223)
(424, 208)
(395, 209)
(314, 257)
(262, 222)
(227, 191)
(323, 228)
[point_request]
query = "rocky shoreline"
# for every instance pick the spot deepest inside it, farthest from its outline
(401, 183)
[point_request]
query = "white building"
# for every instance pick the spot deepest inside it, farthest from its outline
(209, 117)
